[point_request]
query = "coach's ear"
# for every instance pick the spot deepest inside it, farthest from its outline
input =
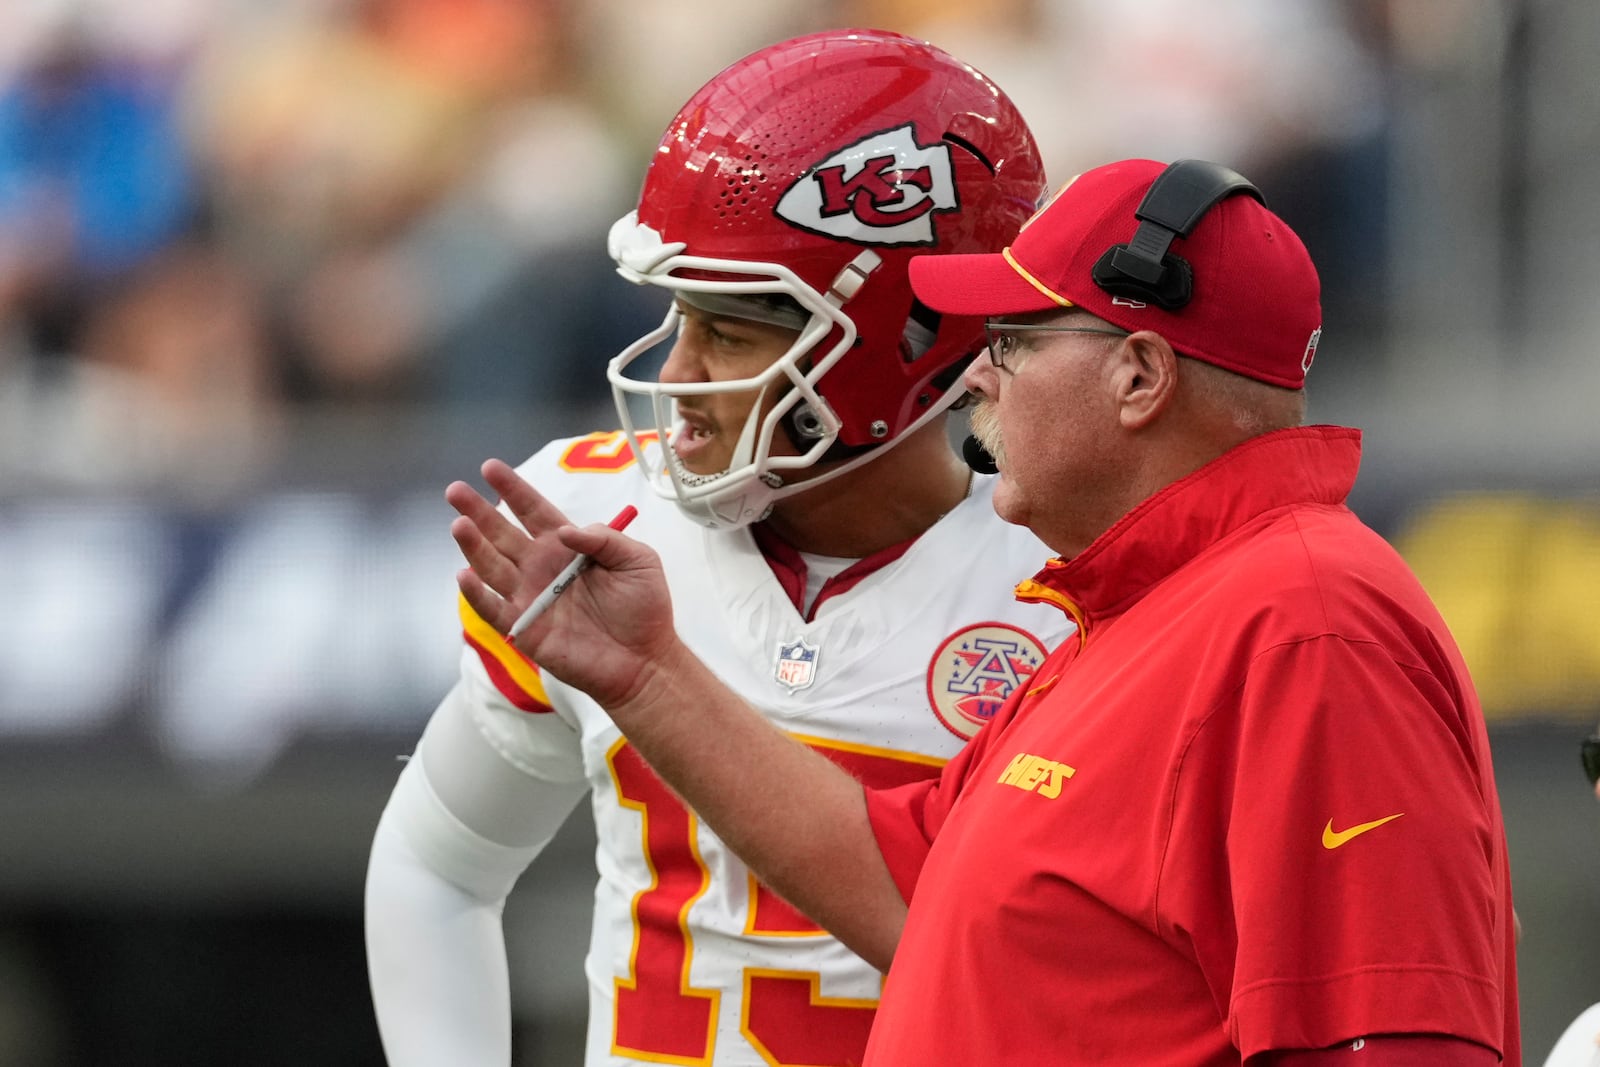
(1144, 377)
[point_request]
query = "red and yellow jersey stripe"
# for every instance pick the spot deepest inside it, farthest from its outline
(513, 674)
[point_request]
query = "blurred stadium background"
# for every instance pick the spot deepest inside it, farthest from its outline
(272, 274)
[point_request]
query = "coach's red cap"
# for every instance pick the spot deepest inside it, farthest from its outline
(1256, 307)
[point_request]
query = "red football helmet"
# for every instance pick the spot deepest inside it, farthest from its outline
(816, 168)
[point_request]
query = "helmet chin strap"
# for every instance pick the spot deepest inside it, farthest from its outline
(798, 426)
(744, 449)
(688, 477)
(915, 340)
(802, 425)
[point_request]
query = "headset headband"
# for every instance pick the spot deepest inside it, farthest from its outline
(1180, 196)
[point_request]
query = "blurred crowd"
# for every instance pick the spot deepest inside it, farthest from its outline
(214, 212)
(208, 212)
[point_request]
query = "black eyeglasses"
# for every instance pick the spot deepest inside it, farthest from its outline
(1591, 758)
(1004, 344)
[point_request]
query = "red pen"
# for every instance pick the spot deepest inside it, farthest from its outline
(568, 575)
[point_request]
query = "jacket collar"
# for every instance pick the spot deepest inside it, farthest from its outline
(1304, 465)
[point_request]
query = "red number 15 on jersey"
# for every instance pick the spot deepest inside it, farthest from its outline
(660, 1017)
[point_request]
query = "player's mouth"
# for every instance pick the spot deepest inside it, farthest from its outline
(694, 444)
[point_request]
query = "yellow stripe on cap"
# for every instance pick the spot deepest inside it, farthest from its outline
(1035, 282)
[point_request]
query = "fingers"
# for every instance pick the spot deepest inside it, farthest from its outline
(490, 606)
(492, 566)
(495, 528)
(484, 535)
(605, 547)
(536, 514)
(509, 564)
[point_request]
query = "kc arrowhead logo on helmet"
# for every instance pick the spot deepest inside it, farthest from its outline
(883, 189)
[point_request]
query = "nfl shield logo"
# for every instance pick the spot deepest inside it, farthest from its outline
(797, 665)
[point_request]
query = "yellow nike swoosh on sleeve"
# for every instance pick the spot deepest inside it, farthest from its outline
(1332, 839)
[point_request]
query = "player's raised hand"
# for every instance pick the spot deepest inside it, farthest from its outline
(606, 631)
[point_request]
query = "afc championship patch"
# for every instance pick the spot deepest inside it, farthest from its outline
(975, 669)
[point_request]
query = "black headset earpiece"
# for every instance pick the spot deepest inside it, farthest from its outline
(1143, 269)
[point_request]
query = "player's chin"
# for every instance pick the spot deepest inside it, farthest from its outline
(700, 459)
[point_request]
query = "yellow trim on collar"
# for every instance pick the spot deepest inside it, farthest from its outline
(1031, 591)
(1035, 282)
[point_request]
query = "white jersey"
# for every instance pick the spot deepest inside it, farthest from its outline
(691, 961)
